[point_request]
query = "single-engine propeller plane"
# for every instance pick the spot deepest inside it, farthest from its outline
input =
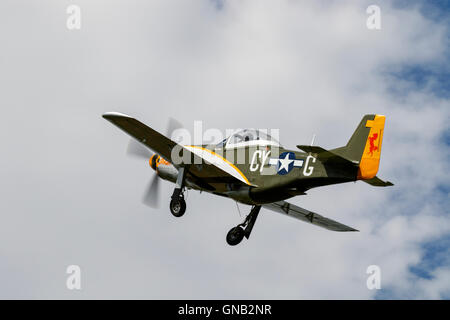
(265, 174)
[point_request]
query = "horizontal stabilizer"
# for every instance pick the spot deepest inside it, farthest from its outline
(325, 155)
(377, 182)
(312, 149)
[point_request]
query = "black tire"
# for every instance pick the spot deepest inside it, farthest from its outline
(235, 236)
(177, 207)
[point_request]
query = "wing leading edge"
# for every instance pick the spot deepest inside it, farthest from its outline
(306, 216)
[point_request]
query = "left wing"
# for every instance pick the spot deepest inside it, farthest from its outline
(306, 216)
(213, 168)
(142, 133)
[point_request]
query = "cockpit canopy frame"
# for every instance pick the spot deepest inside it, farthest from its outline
(248, 137)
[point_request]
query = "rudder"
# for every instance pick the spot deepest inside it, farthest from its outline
(364, 146)
(370, 160)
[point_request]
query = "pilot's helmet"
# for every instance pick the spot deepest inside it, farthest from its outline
(248, 136)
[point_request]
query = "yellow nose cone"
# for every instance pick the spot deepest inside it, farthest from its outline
(153, 161)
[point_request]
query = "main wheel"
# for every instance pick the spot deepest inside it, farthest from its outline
(177, 207)
(235, 236)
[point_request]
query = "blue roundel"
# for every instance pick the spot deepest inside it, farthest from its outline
(285, 163)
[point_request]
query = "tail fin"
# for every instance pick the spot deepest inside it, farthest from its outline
(364, 147)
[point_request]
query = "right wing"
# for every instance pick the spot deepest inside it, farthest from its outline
(306, 216)
(204, 175)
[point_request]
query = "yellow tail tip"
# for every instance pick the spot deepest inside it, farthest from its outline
(370, 160)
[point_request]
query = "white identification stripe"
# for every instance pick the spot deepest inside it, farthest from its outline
(297, 163)
(218, 161)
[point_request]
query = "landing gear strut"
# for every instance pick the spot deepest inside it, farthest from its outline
(178, 204)
(236, 234)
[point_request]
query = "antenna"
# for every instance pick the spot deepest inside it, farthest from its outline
(313, 138)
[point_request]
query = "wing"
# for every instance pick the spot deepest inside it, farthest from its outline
(306, 216)
(142, 133)
(211, 169)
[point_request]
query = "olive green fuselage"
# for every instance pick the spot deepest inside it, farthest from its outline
(267, 180)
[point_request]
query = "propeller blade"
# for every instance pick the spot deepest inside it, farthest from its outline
(151, 197)
(136, 149)
(172, 125)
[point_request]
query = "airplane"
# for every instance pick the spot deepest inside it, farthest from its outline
(266, 175)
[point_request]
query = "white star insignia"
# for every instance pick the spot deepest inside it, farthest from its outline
(285, 163)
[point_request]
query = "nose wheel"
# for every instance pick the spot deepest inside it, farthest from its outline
(178, 207)
(236, 234)
(177, 203)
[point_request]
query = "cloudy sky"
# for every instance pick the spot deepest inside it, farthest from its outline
(71, 196)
